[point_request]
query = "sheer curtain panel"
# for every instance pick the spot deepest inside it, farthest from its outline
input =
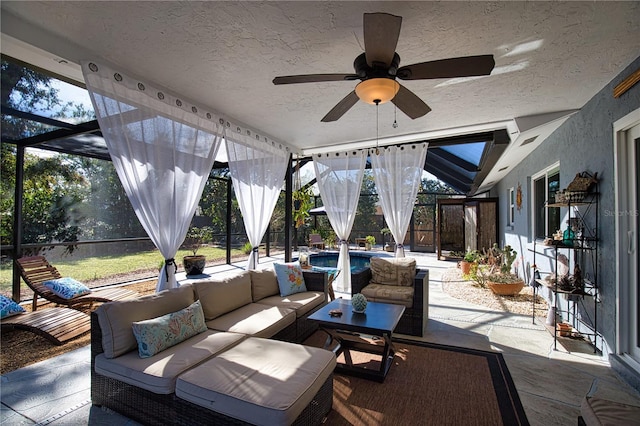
(397, 171)
(163, 148)
(339, 177)
(257, 171)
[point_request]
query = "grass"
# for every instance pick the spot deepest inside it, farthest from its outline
(98, 268)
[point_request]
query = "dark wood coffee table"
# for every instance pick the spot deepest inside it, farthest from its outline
(353, 331)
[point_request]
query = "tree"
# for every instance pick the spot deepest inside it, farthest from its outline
(365, 219)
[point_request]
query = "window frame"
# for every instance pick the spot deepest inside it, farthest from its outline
(536, 205)
(512, 206)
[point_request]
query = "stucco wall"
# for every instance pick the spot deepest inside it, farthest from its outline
(583, 142)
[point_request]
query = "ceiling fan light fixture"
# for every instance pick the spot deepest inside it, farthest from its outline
(377, 90)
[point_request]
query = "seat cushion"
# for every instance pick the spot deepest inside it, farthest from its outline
(399, 295)
(158, 373)
(393, 271)
(116, 318)
(270, 389)
(224, 295)
(263, 284)
(301, 303)
(255, 319)
(602, 412)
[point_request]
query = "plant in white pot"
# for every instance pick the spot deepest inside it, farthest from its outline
(194, 264)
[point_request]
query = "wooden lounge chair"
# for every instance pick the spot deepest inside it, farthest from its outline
(35, 270)
(55, 324)
(315, 241)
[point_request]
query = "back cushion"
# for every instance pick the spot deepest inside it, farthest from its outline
(224, 295)
(116, 318)
(393, 271)
(264, 283)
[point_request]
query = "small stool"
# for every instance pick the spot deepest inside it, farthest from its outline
(602, 412)
(259, 381)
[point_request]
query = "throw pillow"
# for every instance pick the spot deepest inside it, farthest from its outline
(67, 288)
(9, 307)
(157, 334)
(290, 278)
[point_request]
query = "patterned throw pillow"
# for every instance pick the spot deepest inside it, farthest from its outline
(9, 307)
(157, 334)
(67, 288)
(290, 278)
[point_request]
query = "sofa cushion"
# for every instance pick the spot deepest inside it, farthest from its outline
(263, 284)
(301, 303)
(399, 295)
(116, 318)
(270, 389)
(290, 278)
(157, 334)
(224, 295)
(255, 319)
(158, 373)
(393, 271)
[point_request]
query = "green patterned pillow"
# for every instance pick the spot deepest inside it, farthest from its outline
(290, 278)
(157, 334)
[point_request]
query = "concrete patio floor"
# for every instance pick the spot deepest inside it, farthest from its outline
(551, 383)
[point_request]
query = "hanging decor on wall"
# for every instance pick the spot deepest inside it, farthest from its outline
(519, 197)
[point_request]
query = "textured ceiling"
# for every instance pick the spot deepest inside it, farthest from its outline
(550, 56)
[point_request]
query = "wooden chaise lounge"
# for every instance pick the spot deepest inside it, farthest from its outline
(57, 325)
(35, 270)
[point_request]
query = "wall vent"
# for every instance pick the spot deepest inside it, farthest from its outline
(528, 141)
(504, 168)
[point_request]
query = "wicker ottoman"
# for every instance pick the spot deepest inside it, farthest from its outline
(262, 381)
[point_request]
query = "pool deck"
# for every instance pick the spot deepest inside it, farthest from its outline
(551, 383)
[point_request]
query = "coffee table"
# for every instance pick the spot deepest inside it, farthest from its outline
(353, 331)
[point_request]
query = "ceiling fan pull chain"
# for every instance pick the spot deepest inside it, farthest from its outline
(377, 136)
(395, 117)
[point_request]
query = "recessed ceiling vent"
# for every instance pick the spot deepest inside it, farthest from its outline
(528, 141)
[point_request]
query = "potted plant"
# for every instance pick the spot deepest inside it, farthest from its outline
(302, 203)
(470, 257)
(370, 241)
(194, 264)
(504, 282)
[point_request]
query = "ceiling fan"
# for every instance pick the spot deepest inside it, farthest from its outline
(378, 69)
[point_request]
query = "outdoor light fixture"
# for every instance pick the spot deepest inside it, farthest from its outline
(377, 90)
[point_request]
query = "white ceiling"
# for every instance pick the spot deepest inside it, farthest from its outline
(551, 57)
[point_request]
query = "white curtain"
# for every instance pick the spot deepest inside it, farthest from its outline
(339, 177)
(397, 172)
(163, 148)
(257, 170)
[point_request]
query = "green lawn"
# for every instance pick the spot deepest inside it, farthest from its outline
(96, 268)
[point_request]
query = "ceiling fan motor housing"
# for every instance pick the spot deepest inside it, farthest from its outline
(379, 70)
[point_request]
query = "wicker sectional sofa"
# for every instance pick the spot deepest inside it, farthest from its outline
(251, 342)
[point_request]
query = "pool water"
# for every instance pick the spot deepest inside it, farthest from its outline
(359, 261)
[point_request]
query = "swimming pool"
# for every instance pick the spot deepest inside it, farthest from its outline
(359, 260)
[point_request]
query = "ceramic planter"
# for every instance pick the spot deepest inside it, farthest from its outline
(194, 265)
(506, 289)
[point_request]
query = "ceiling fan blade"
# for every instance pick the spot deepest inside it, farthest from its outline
(381, 33)
(466, 66)
(313, 78)
(409, 103)
(341, 107)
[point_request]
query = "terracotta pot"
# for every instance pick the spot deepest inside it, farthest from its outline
(194, 265)
(465, 267)
(503, 289)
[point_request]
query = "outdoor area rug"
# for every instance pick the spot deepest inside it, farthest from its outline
(429, 384)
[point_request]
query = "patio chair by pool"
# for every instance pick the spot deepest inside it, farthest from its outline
(315, 241)
(57, 325)
(36, 271)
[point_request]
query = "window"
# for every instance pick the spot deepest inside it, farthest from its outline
(545, 221)
(512, 206)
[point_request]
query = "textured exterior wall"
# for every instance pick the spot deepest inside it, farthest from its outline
(583, 142)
